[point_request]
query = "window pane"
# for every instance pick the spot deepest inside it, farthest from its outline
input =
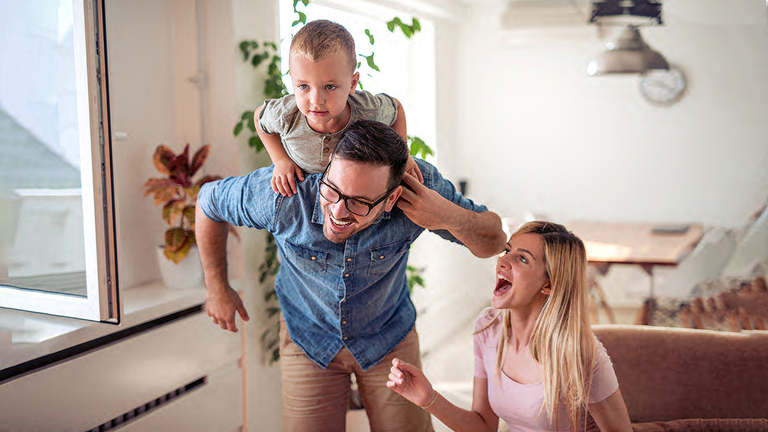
(41, 221)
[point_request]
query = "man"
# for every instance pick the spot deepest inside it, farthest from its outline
(342, 283)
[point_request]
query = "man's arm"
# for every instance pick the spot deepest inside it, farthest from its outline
(481, 232)
(221, 301)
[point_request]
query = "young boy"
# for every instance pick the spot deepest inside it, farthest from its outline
(301, 130)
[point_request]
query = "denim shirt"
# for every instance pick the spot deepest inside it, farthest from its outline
(332, 295)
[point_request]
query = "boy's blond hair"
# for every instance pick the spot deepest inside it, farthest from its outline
(321, 39)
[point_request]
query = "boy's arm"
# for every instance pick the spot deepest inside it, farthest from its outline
(282, 177)
(400, 127)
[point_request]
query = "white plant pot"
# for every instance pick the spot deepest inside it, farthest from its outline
(186, 274)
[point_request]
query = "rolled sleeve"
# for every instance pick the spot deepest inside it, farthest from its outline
(243, 201)
(435, 181)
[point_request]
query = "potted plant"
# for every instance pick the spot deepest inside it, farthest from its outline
(177, 193)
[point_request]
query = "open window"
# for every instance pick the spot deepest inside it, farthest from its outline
(57, 247)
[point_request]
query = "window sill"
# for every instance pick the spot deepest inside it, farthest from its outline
(26, 336)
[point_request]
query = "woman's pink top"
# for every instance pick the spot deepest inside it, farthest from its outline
(519, 405)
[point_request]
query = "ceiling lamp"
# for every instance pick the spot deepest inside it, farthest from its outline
(628, 54)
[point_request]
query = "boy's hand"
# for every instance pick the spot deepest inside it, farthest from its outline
(413, 169)
(283, 180)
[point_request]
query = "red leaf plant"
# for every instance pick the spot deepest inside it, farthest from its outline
(177, 193)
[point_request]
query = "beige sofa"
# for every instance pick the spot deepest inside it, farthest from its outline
(690, 380)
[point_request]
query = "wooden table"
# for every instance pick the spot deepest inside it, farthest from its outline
(642, 244)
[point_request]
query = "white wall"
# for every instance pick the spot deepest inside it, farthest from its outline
(538, 134)
(155, 48)
(518, 117)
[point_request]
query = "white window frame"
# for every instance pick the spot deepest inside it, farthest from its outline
(101, 302)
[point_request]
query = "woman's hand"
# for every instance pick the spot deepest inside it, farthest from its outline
(408, 381)
(283, 180)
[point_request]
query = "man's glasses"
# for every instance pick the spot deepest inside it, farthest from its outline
(354, 205)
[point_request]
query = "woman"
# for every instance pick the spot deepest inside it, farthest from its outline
(537, 364)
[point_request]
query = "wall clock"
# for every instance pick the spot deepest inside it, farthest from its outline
(662, 87)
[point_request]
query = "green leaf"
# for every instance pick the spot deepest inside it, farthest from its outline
(415, 25)
(371, 63)
(245, 49)
(360, 84)
(305, 2)
(256, 60)
(256, 143)
(175, 238)
(246, 115)
(272, 294)
(162, 159)
(251, 124)
(370, 36)
(302, 17)
(189, 215)
(271, 45)
(172, 211)
(391, 26)
(418, 146)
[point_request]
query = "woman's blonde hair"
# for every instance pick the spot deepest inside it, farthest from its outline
(562, 341)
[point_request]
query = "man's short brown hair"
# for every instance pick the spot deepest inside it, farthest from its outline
(321, 39)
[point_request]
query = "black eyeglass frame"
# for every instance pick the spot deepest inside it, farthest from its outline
(347, 198)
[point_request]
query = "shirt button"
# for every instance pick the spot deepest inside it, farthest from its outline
(345, 338)
(326, 140)
(349, 259)
(343, 300)
(326, 150)
(346, 275)
(381, 257)
(314, 258)
(343, 322)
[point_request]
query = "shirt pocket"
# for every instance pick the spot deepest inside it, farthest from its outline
(385, 257)
(305, 258)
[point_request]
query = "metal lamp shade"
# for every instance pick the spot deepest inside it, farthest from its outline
(627, 54)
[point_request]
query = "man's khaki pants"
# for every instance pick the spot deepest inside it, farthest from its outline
(317, 399)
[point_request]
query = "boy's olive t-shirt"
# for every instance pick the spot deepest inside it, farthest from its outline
(311, 150)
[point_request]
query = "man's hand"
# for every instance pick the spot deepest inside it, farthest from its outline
(221, 307)
(283, 180)
(480, 232)
(423, 206)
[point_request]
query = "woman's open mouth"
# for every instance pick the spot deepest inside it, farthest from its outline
(502, 286)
